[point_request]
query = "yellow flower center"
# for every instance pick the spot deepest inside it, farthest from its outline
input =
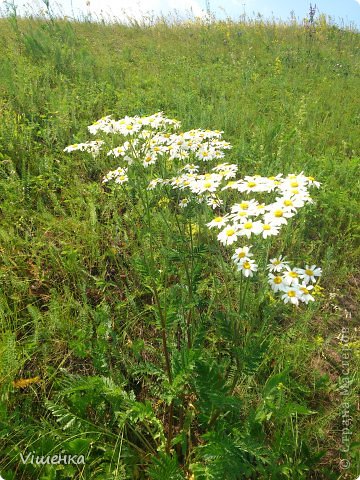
(218, 219)
(277, 280)
(305, 290)
(207, 184)
(251, 184)
(266, 227)
(230, 232)
(309, 272)
(288, 203)
(122, 177)
(248, 225)
(311, 179)
(293, 274)
(291, 293)
(129, 127)
(278, 213)
(244, 205)
(241, 255)
(294, 184)
(205, 154)
(247, 265)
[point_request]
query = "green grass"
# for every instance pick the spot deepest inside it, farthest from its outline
(76, 309)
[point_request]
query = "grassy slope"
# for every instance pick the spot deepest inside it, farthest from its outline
(286, 98)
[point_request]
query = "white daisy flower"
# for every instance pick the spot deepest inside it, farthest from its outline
(121, 179)
(247, 267)
(269, 229)
(277, 215)
(250, 207)
(312, 181)
(309, 274)
(229, 235)
(305, 295)
(291, 295)
(249, 227)
(150, 159)
(213, 201)
(190, 168)
(184, 202)
(154, 183)
(277, 264)
(242, 253)
(218, 222)
(291, 276)
(206, 186)
(276, 282)
(290, 202)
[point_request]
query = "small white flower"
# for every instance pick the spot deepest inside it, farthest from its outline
(268, 229)
(190, 168)
(305, 295)
(249, 227)
(218, 222)
(249, 207)
(247, 267)
(242, 253)
(291, 276)
(312, 181)
(277, 214)
(184, 203)
(213, 201)
(309, 274)
(149, 159)
(228, 235)
(277, 264)
(291, 295)
(276, 282)
(121, 179)
(154, 183)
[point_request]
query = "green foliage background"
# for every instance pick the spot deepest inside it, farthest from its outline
(74, 307)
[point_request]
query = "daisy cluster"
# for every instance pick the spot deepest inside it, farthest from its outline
(93, 147)
(153, 138)
(249, 217)
(204, 187)
(157, 140)
(119, 176)
(293, 284)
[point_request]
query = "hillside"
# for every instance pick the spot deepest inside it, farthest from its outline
(127, 336)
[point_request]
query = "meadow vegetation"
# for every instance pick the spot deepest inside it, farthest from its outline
(123, 334)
